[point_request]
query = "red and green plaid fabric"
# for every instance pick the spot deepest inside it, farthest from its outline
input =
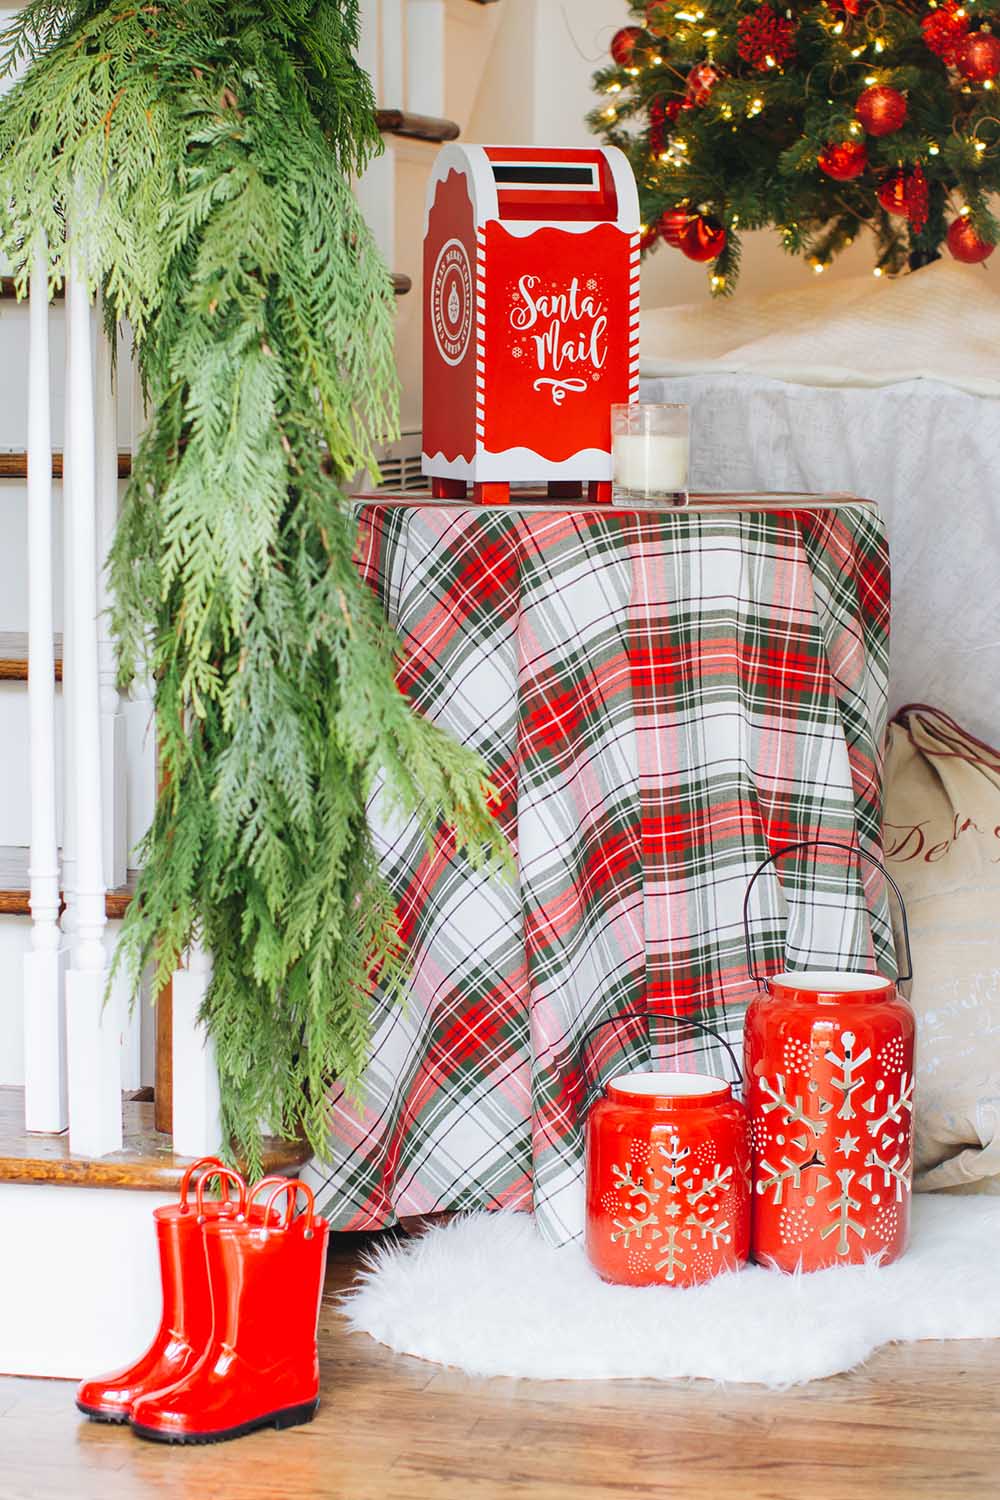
(663, 700)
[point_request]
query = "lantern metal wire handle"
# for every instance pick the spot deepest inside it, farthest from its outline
(664, 1015)
(823, 844)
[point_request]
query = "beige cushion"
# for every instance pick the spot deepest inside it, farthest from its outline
(942, 843)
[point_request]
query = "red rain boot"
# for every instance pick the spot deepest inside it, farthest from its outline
(261, 1367)
(186, 1320)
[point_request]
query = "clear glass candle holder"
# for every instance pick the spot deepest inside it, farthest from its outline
(650, 445)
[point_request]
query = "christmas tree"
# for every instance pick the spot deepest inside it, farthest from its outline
(821, 119)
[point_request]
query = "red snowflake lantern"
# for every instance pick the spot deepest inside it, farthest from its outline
(881, 109)
(843, 160)
(701, 239)
(965, 244)
(766, 40)
(668, 1180)
(977, 57)
(944, 28)
(905, 194)
(624, 44)
(828, 1059)
(700, 82)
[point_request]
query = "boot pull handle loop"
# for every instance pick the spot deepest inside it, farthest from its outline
(292, 1187)
(202, 1165)
(273, 1181)
(226, 1175)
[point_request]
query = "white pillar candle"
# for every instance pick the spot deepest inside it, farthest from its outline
(651, 463)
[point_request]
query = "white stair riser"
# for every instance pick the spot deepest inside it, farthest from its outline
(15, 942)
(79, 1278)
(14, 382)
(15, 805)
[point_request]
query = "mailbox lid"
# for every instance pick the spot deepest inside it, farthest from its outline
(563, 185)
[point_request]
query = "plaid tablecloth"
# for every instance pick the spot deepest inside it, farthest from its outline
(662, 699)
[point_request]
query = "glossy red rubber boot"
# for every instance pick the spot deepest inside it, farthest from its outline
(186, 1320)
(261, 1368)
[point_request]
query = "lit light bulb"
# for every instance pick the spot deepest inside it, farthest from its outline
(708, 35)
(871, 78)
(614, 88)
(987, 83)
(877, 271)
(980, 146)
(933, 149)
(838, 28)
(856, 52)
(656, 60)
(610, 113)
(718, 282)
(769, 61)
(818, 268)
(879, 44)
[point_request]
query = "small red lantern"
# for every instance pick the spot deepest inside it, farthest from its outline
(829, 1070)
(668, 1178)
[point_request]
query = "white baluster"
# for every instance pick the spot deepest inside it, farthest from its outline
(93, 1032)
(425, 56)
(368, 43)
(113, 752)
(197, 1126)
(45, 1105)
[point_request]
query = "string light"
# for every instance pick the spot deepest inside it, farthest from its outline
(877, 271)
(979, 146)
(726, 111)
(856, 52)
(613, 88)
(838, 28)
(854, 128)
(879, 44)
(933, 149)
(656, 60)
(718, 282)
(769, 61)
(754, 107)
(708, 35)
(610, 113)
(871, 78)
(818, 267)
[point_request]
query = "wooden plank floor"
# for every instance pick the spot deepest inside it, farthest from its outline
(916, 1421)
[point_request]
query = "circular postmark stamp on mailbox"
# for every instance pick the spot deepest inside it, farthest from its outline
(451, 301)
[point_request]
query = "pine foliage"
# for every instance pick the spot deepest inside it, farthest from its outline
(201, 153)
(742, 148)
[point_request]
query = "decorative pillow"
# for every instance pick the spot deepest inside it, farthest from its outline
(942, 845)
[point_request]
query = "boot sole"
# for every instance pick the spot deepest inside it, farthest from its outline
(289, 1416)
(103, 1414)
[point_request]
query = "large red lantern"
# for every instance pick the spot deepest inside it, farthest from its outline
(829, 1079)
(668, 1178)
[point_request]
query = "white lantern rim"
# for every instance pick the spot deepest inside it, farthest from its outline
(669, 1085)
(826, 981)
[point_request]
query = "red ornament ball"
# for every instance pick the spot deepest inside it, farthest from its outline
(881, 109)
(843, 160)
(766, 40)
(700, 82)
(701, 238)
(624, 44)
(648, 236)
(852, 7)
(977, 56)
(965, 244)
(944, 28)
(672, 225)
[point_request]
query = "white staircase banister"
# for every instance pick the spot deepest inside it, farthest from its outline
(45, 1101)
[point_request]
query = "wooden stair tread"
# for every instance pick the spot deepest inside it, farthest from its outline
(415, 127)
(146, 1160)
(401, 283)
(15, 886)
(14, 465)
(14, 656)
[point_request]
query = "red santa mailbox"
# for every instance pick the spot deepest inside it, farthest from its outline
(531, 317)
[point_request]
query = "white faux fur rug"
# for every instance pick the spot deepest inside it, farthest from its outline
(485, 1294)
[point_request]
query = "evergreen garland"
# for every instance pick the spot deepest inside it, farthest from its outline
(750, 113)
(202, 153)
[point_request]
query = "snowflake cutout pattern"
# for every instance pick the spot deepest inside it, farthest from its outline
(838, 1136)
(673, 1211)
